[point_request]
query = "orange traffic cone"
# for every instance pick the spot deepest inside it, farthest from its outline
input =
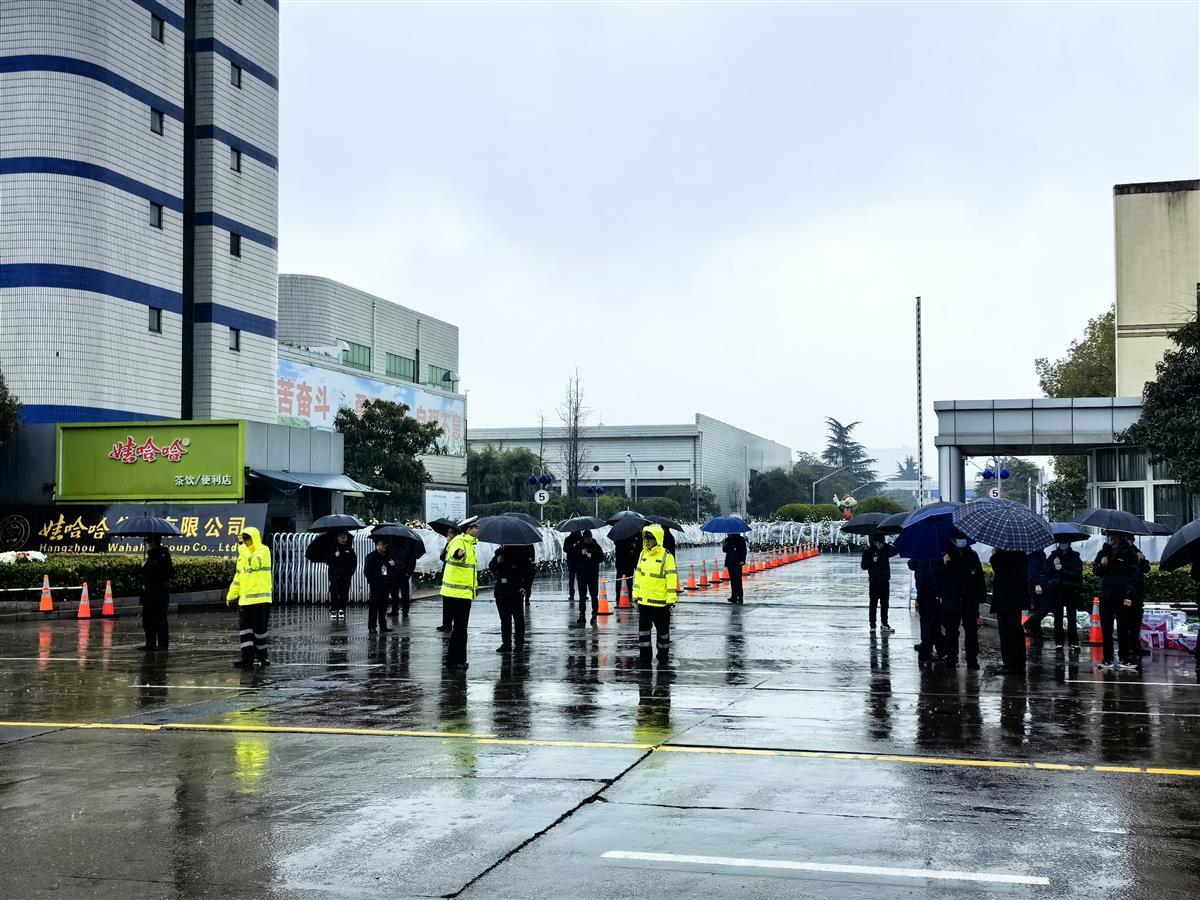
(622, 596)
(85, 605)
(691, 582)
(47, 604)
(703, 574)
(1096, 636)
(107, 609)
(716, 575)
(604, 609)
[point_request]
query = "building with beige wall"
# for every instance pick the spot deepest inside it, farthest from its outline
(1157, 236)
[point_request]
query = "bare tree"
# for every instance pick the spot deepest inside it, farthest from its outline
(541, 439)
(733, 495)
(573, 414)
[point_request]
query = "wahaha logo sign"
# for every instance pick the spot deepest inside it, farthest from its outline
(130, 451)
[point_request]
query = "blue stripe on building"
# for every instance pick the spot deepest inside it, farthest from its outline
(53, 165)
(40, 62)
(169, 16)
(81, 278)
(212, 132)
(235, 318)
(274, 4)
(50, 414)
(216, 220)
(212, 45)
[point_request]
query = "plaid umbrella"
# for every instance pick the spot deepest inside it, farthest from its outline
(1004, 525)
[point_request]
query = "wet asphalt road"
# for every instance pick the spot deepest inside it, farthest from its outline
(784, 752)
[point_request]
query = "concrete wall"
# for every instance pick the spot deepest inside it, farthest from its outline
(1157, 269)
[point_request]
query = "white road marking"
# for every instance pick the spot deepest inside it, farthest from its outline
(831, 868)
(1139, 682)
(191, 687)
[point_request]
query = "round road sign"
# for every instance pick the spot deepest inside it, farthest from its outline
(541, 497)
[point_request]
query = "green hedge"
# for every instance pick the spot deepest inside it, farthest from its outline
(192, 573)
(1161, 587)
(878, 504)
(807, 512)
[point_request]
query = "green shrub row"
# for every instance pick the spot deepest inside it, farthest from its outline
(807, 512)
(192, 573)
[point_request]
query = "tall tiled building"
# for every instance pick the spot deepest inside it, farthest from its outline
(123, 121)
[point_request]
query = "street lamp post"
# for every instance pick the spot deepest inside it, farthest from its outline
(822, 478)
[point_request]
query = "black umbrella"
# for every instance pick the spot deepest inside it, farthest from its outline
(664, 522)
(1183, 548)
(892, 524)
(442, 526)
(627, 527)
(1160, 530)
(1068, 531)
(524, 517)
(396, 532)
(145, 526)
(318, 548)
(1113, 520)
(624, 514)
(507, 530)
(579, 523)
(865, 523)
(336, 523)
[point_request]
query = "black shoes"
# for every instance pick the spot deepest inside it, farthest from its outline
(504, 648)
(442, 628)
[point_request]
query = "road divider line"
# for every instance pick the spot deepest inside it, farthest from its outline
(828, 868)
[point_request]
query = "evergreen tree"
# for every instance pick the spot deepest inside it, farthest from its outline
(1169, 428)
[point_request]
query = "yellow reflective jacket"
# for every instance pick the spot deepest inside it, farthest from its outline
(252, 580)
(655, 583)
(460, 578)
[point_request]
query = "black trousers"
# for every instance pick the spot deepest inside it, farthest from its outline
(656, 618)
(929, 611)
(254, 631)
(154, 623)
(1012, 638)
(735, 581)
(377, 604)
(1063, 603)
(460, 615)
(965, 618)
(588, 584)
(400, 592)
(339, 595)
(878, 592)
(1128, 621)
(572, 578)
(512, 618)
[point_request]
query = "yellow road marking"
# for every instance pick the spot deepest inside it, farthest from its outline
(491, 739)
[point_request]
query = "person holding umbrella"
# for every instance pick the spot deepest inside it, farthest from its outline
(962, 587)
(587, 570)
(342, 561)
(655, 590)
(571, 554)
(509, 570)
(251, 588)
(402, 562)
(929, 610)
(378, 568)
(460, 584)
(1063, 575)
(157, 569)
(735, 550)
(1010, 590)
(876, 562)
(1118, 568)
(627, 551)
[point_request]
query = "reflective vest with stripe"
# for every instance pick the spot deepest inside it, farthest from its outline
(252, 581)
(655, 583)
(460, 579)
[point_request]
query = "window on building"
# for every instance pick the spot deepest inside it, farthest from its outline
(235, 339)
(157, 29)
(1106, 498)
(437, 377)
(155, 320)
(1133, 500)
(1162, 471)
(235, 244)
(357, 355)
(1132, 464)
(1106, 465)
(1172, 505)
(156, 121)
(401, 367)
(156, 214)
(235, 159)
(235, 75)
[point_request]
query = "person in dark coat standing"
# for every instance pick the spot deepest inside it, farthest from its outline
(1118, 566)
(508, 568)
(527, 553)
(734, 548)
(402, 562)
(342, 562)
(962, 588)
(587, 571)
(1010, 592)
(571, 554)
(156, 594)
(876, 562)
(451, 534)
(1063, 577)
(1038, 595)
(378, 568)
(929, 609)
(627, 553)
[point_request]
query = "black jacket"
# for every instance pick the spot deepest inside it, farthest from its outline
(628, 551)
(1010, 581)
(571, 548)
(928, 576)
(876, 563)
(156, 575)
(961, 584)
(734, 547)
(404, 554)
(1035, 565)
(342, 561)
(509, 567)
(1122, 578)
(1069, 576)
(378, 573)
(591, 556)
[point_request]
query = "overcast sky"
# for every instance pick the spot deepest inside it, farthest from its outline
(729, 208)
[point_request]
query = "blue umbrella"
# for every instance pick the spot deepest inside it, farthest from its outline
(725, 525)
(1004, 525)
(926, 533)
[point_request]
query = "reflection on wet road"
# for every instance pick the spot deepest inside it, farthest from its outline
(785, 752)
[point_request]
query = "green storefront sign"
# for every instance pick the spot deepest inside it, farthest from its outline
(141, 461)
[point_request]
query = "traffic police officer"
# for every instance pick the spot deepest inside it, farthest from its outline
(460, 583)
(655, 588)
(251, 589)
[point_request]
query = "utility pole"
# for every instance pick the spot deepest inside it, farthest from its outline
(920, 419)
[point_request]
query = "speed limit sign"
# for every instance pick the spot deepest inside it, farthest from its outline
(541, 497)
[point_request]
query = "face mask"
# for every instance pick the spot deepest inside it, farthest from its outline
(960, 543)
(1064, 545)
